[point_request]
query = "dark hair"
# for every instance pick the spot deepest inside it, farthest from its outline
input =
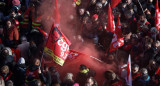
(135, 65)
(82, 67)
(51, 68)
(11, 20)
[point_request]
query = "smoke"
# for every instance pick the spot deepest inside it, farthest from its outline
(70, 25)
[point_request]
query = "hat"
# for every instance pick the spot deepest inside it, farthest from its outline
(21, 61)
(76, 84)
(95, 16)
(15, 2)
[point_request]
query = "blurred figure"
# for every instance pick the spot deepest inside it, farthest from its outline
(33, 73)
(68, 80)
(55, 77)
(135, 73)
(9, 83)
(11, 34)
(144, 78)
(84, 74)
(19, 72)
(6, 74)
(112, 79)
(152, 67)
(91, 82)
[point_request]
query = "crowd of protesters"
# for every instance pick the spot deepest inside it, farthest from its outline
(22, 42)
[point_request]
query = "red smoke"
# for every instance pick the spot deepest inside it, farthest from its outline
(69, 24)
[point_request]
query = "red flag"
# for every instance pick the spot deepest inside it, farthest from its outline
(57, 46)
(129, 76)
(157, 17)
(117, 40)
(114, 3)
(57, 20)
(158, 71)
(110, 22)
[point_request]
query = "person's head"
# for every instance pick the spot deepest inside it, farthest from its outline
(150, 1)
(142, 18)
(5, 69)
(85, 19)
(90, 81)
(128, 1)
(38, 83)
(156, 44)
(36, 62)
(81, 11)
(82, 67)
(134, 41)
(23, 39)
(98, 7)
(103, 1)
(52, 69)
(110, 75)
(13, 14)
(9, 83)
(4, 52)
(55, 84)
(9, 23)
(152, 62)
(148, 46)
(69, 76)
(93, 1)
(21, 61)
(135, 69)
(144, 72)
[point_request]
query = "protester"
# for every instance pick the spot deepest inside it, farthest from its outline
(24, 32)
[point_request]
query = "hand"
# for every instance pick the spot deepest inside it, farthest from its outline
(39, 70)
(19, 14)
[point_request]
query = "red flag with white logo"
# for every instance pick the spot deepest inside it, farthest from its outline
(57, 46)
(114, 3)
(157, 18)
(110, 22)
(117, 40)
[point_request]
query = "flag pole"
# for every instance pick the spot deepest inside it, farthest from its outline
(141, 7)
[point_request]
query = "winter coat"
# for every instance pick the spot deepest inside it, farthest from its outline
(11, 34)
(55, 77)
(19, 72)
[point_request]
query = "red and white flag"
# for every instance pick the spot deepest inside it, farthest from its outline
(114, 3)
(129, 76)
(57, 46)
(157, 18)
(110, 22)
(117, 40)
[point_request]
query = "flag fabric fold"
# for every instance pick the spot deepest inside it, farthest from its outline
(110, 22)
(129, 76)
(117, 40)
(57, 46)
(114, 3)
(157, 18)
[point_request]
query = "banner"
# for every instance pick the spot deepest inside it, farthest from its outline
(57, 46)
